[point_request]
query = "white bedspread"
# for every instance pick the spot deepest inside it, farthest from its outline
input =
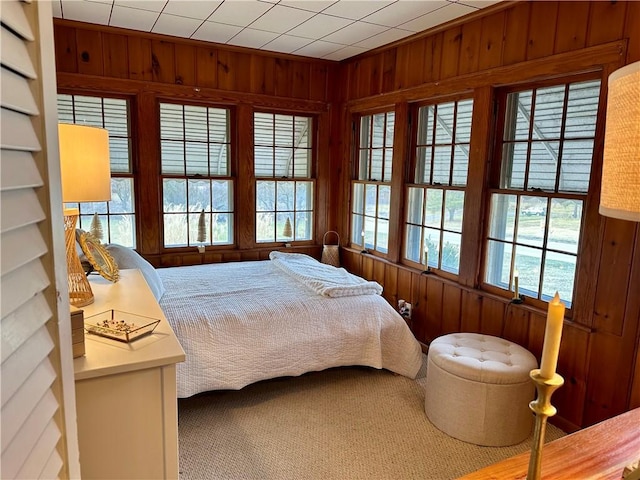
(242, 322)
(323, 279)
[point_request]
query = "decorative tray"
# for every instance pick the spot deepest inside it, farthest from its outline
(121, 326)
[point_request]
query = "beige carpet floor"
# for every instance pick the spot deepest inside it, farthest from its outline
(345, 423)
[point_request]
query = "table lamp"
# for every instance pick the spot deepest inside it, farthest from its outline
(86, 177)
(620, 194)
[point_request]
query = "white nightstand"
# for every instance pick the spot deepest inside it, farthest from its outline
(126, 398)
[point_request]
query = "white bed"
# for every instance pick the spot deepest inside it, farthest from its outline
(242, 322)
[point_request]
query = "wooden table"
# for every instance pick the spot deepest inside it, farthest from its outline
(600, 451)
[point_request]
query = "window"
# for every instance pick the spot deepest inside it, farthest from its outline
(283, 152)
(435, 202)
(196, 175)
(536, 210)
(371, 194)
(117, 217)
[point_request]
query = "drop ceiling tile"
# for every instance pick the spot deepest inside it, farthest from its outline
(403, 11)
(176, 26)
(355, 10)
(56, 8)
(109, 2)
(287, 44)
(91, 12)
(280, 19)
(216, 32)
(151, 5)
(345, 52)
(383, 38)
(354, 33)
(318, 49)
(442, 15)
(239, 13)
(133, 18)
(319, 25)
(191, 8)
(310, 5)
(252, 38)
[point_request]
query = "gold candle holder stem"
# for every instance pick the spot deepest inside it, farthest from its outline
(543, 409)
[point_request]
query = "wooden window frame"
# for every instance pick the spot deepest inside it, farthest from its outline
(494, 187)
(132, 162)
(231, 177)
(412, 183)
(355, 179)
(312, 178)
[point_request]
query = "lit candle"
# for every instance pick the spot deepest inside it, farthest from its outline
(552, 336)
(515, 284)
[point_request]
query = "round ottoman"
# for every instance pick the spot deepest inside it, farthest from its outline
(478, 388)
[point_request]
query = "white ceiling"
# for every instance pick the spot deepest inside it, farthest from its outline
(329, 29)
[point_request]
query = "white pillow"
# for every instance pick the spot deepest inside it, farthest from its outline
(127, 257)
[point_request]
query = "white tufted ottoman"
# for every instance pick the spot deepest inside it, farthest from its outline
(478, 388)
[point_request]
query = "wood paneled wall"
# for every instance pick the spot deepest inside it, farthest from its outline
(514, 42)
(148, 68)
(122, 54)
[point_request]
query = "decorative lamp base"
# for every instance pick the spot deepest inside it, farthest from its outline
(80, 293)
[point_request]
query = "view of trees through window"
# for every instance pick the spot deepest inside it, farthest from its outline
(117, 217)
(196, 175)
(283, 152)
(372, 187)
(435, 203)
(536, 210)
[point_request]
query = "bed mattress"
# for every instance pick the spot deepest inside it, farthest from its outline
(242, 322)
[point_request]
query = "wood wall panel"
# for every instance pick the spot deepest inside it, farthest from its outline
(617, 248)
(516, 33)
(451, 307)
(491, 39)
(207, 67)
(89, 52)
(434, 308)
(468, 60)
(65, 48)
(451, 40)
(632, 24)
(606, 21)
(516, 325)
(115, 55)
(388, 70)
(163, 67)
(185, 64)
(140, 58)
(540, 39)
(571, 32)
(542, 27)
(572, 364)
(118, 53)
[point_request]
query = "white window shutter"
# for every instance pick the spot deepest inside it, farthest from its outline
(37, 399)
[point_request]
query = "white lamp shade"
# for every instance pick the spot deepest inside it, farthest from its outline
(620, 194)
(84, 163)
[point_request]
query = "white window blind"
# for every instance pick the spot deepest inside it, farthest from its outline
(30, 390)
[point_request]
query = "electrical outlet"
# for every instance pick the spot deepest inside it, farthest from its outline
(405, 309)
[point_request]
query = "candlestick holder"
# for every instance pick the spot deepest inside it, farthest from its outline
(517, 299)
(543, 409)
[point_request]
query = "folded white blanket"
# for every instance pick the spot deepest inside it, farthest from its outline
(325, 280)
